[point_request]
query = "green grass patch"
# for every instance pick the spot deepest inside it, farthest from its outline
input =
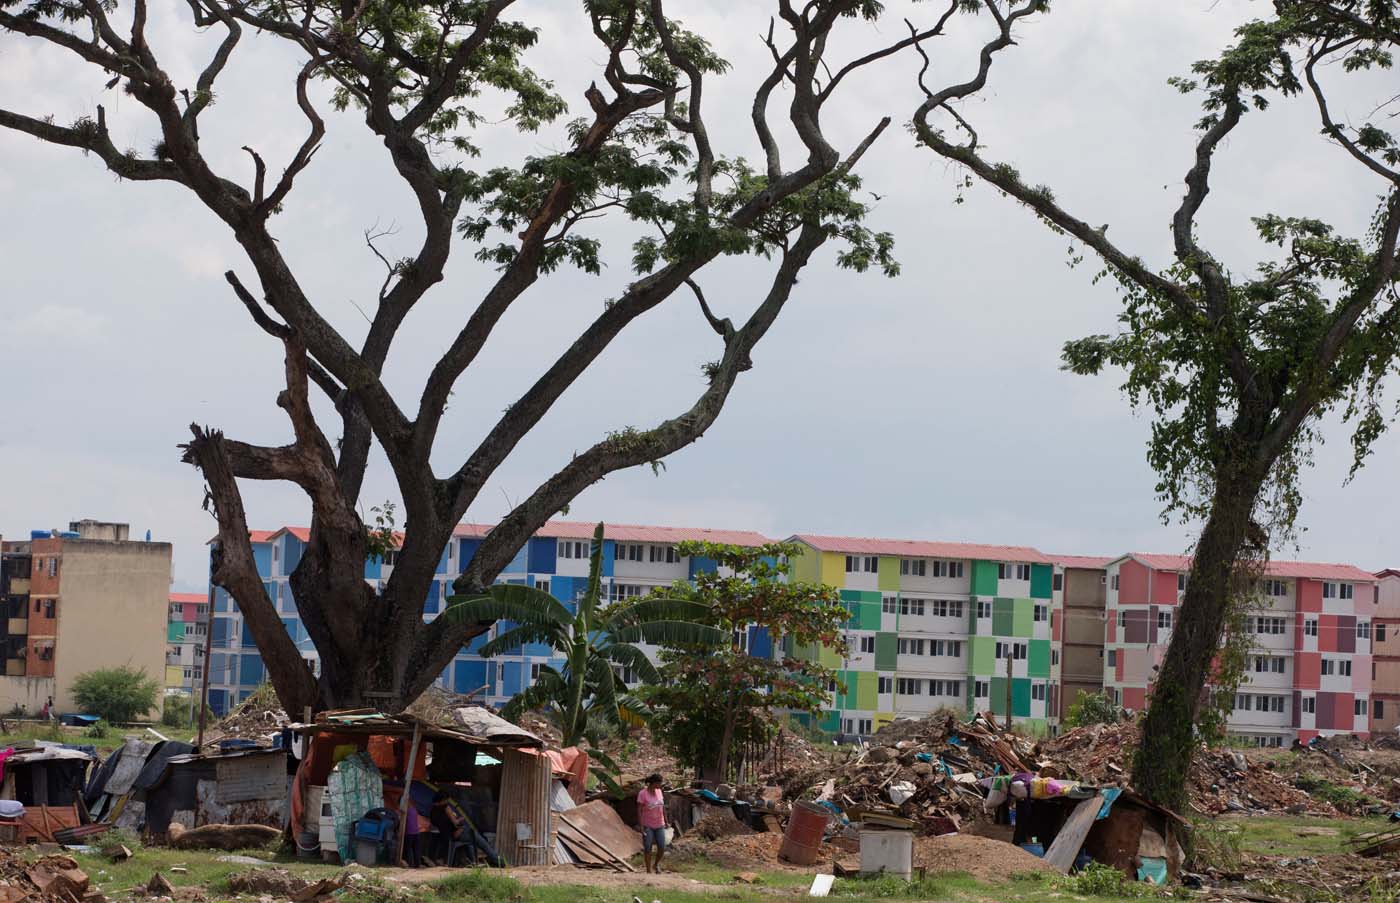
(202, 867)
(483, 885)
(110, 737)
(1289, 835)
(1344, 798)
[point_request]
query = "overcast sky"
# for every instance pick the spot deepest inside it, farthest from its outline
(928, 406)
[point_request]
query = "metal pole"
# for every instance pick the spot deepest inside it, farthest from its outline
(404, 799)
(208, 666)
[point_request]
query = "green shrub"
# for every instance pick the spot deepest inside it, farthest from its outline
(1092, 708)
(1099, 880)
(1213, 844)
(116, 694)
(1344, 798)
(96, 731)
(177, 708)
(480, 884)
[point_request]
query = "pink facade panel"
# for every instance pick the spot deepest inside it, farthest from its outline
(1309, 595)
(1307, 670)
(1132, 583)
(1055, 626)
(1134, 698)
(1118, 668)
(1164, 587)
(1361, 674)
(1327, 637)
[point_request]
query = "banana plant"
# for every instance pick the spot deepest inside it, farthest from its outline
(583, 697)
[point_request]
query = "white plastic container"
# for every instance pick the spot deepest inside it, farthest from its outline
(884, 852)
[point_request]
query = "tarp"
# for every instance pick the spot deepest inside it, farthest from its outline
(153, 772)
(129, 765)
(354, 788)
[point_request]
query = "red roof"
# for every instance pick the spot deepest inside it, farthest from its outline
(1388, 572)
(1307, 570)
(912, 548)
(566, 529)
(301, 533)
(189, 597)
(253, 536)
(1091, 562)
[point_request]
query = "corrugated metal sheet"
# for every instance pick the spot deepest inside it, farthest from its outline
(523, 835)
(914, 548)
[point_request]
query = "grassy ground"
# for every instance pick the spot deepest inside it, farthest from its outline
(79, 736)
(1292, 836)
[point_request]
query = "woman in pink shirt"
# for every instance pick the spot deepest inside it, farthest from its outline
(651, 812)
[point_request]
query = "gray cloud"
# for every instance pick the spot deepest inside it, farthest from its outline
(929, 406)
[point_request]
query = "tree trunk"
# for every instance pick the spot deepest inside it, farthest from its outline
(1163, 758)
(726, 740)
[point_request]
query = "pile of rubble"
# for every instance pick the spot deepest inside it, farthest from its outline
(1220, 780)
(50, 879)
(257, 718)
(925, 770)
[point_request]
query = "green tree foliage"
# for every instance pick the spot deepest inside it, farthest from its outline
(117, 695)
(1238, 366)
(178, 708)
(1092, 708)
(585, 697)
(713, 701)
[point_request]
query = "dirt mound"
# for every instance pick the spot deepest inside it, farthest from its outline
(741, 851)
(257, 718)
(981, 857)
(282, 883)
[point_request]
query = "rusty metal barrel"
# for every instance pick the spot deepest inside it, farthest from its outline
(803, 839)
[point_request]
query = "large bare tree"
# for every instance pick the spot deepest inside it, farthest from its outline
(426, 76)
(1238, 367)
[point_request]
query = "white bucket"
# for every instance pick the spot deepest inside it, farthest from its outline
(887, 853)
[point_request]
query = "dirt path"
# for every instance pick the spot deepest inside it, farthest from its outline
(571, 875)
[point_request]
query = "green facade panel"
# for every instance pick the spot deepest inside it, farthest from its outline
(998, 700)
(1022, 617)
(984, 578)
(175, 632)
(831, 722)
(1020, 697)
(886, 651)
(889, 574)
(1038, 659)
(828, 657)
(1003, 615)
(864, 606)
(1042, 577)
(981, 655)
(866, 684)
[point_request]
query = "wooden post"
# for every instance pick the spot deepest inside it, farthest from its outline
(407, 785)
(1010, 656)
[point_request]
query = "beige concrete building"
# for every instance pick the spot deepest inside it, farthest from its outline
(1082, 591)
(94, 599)
(1385, 654)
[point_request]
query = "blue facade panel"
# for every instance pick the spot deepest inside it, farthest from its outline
(246, 641)
(468, 675)
(220, 639)
(434, 603)
(520, 563)
(222, 602)
(538, 649)
(293, 628)
(608, 547)
(291, 553)
(760, 642)
(511, 682)
(474, 647)
(374, 567)
(700, 565)
(262, 557)
(287, 602)
(542, 555)
(442, 562)
(467, 552)
(250, 670)
(502, 627)
(218, 702)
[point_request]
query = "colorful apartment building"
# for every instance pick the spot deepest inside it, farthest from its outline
(1308, 671)
(186, 633)
(76, 600)
(635, 559)
(935, 625)
(1385, 651)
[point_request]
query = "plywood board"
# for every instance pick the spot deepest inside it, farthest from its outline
(1065, 848)
(600, 823)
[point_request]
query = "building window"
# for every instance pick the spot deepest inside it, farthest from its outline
(852, 564)
(1181, 582)
(1329, 590)
(1122, 617)
(831, 686)
(949, 569)
(890, 605)
(945, 688)
(1016, 651)
(1164, 619)
(1344, 667)
(911, 647)
(1057, 583)
(1347, 590)
(1038, 692)
(981, 689)
(570, 549)
(48, 607)
(1310, 627)
(908, 686)
(1363, 630)
(619, 591)
(911, 606)
(1006, 571)
(53, 567)
(1379, 709)
(1270, 626)
(871, 563)
(665, 555)
(534, 672)
(542, 584)
(1380, 633)
(884, 684)
(1309, 705)
(1054, 656)
(867, 644)
(1360, 705)
(1276, 704)
(863, 724)
(1328, 667)
(984, 609)
(946, 608)
(275, 549)
(913, 567)
(1244, 702)
(1040, 613)
(1114, 584)
(1113, 658)
(951, 648)
(1275, 588)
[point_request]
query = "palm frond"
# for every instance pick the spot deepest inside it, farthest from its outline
(594, 593)
(646, 610)
(507, 601)
(672, 633)
(539, 695)
(521, 634)
(630, 656)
